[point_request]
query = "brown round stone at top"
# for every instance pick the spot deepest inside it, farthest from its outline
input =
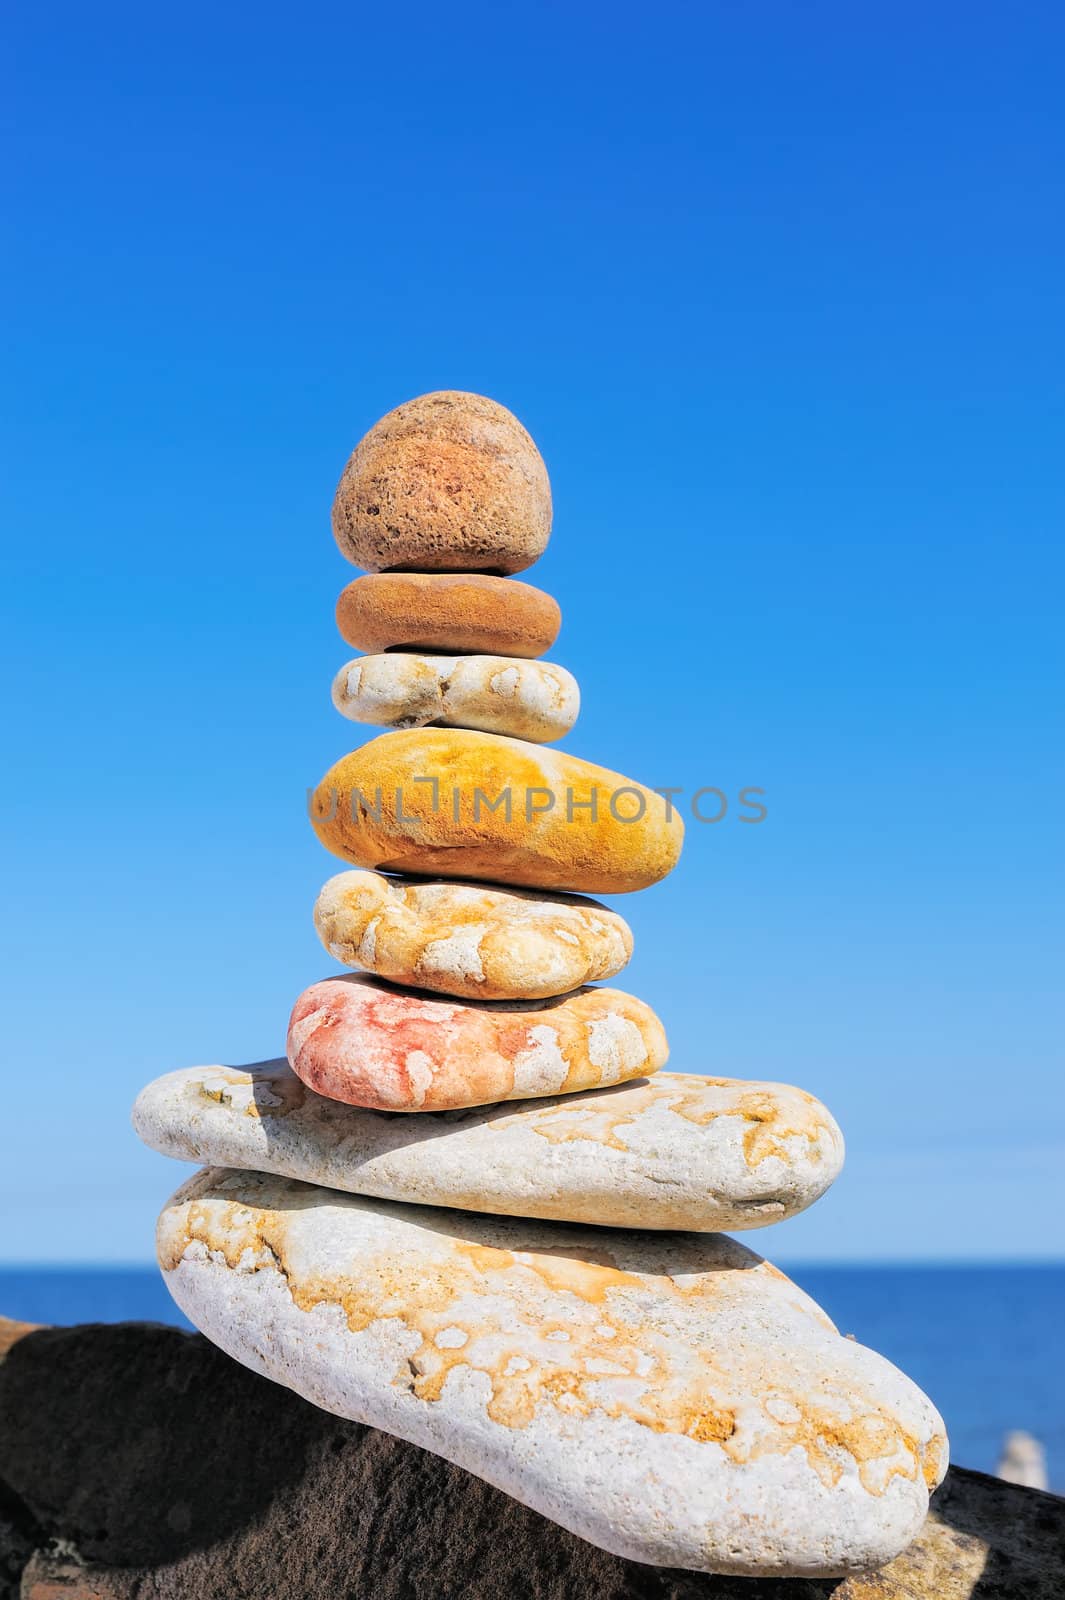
(464, 613)
(449, 482)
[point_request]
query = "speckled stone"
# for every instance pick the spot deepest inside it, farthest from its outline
(452, 612)
(669, 1397)
(672, 1151)
(448, 482)
(533, 700)
(378, 808)
(468, 939)
(367, 1043)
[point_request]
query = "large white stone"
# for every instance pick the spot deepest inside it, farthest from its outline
(672, 1151)
(670, 1397)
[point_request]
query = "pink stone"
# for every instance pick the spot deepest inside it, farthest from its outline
(369, 1043)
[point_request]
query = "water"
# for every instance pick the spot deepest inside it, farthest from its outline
(984, 1342)
(87, 1294)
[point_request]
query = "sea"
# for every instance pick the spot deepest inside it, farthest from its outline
(985, 1342)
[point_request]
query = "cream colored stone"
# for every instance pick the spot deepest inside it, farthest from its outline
(533, 700)
(671, 1398)
(469, 939)
(672, 1151)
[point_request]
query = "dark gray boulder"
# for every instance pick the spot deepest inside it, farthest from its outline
(140, 1463)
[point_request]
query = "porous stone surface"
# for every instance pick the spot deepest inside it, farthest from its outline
(114, 1442)
(447, 482)
(675, 1151)
(368, 1043)
(450, 612)
(534, 700)
(670, 1398)
(448, 802)
(470, 939)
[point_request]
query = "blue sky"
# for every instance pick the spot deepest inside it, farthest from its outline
(778, 290)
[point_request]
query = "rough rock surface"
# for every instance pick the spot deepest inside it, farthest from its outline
(451, 612)
(469, 939)
(676, 1151)
(447, 482)
(114, 1442)
(669, 1397)
(534, 700)
(422, 802)
(368, 1043)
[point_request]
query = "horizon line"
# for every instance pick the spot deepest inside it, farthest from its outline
(792, 1264)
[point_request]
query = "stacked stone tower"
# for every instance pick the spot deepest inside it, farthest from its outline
(470, 1208)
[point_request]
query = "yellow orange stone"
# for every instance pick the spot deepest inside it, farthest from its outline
(454, 803)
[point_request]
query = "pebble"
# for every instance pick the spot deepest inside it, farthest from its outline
(422, 802)
(367, 1043)
(675, 1151)
(533, 700)
(671, 1397)
(450, 612)
(468, 939)
(449, 482)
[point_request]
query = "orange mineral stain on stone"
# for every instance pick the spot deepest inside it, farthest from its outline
(932, 1463)
(601, 1123)
(589, 1277)
(711, 1425)
(873, 1441)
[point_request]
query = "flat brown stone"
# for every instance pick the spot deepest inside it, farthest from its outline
(173, 1473)
(470, 613)
(449, 482)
